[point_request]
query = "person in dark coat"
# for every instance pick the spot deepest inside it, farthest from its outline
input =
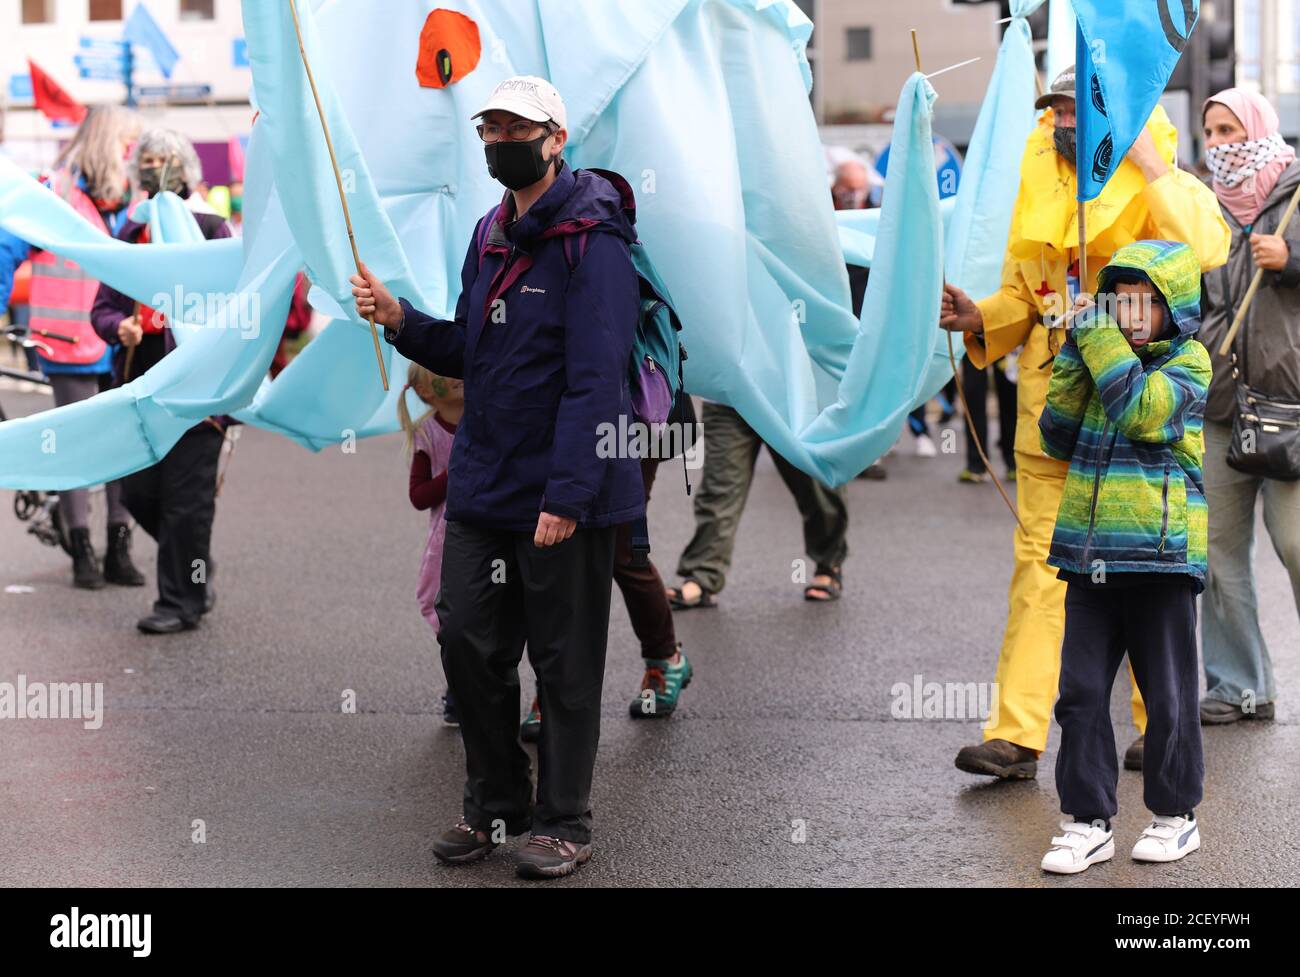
(533, 508)
(174, 500)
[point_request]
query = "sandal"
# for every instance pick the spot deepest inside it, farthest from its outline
(679, 603)
(830, 591)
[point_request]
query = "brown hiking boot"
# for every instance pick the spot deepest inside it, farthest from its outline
(999, 758)
(1133, 755)
(461, 844)
(551, 858)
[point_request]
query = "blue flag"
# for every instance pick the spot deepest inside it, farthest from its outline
(140, 28)
(1125, 53)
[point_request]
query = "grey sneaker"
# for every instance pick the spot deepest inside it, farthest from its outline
(545, 857)
(1216, 712)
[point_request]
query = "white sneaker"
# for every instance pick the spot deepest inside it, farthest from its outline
(925, 446)
(1079, 846)
(1168, 839)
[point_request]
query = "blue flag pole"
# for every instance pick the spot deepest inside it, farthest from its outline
(1081, 47)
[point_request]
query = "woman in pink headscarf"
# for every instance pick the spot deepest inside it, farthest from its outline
(1255, 177)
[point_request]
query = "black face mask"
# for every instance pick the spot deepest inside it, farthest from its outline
(517, 164)
(1067, 144)
(151, 180)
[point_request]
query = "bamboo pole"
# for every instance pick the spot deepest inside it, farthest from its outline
(1083, 248)
(956, 375)
(338, 179)
(130, 350)
(1226, 347)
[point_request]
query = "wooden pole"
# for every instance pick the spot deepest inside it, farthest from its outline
(956, 376)
(338, 179)
(230, 457)
(130, 350)
(1226, 347)
(1084, 284)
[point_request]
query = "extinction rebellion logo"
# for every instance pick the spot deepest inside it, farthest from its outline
(1177, 39)
(1106, 151)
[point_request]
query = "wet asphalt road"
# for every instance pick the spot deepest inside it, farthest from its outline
(783, 766)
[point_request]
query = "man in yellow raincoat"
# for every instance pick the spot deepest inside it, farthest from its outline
(1148, 198)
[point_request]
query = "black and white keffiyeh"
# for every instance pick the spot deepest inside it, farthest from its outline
(1234, 163)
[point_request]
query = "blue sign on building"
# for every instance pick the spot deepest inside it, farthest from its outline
(240, 53)
(104, 45)
(101, 67)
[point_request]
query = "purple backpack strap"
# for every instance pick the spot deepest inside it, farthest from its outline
(485, 232)
(575, 247)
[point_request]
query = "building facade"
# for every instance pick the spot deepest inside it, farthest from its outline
(206, 96)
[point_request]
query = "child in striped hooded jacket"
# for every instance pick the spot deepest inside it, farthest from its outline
(1125, 408)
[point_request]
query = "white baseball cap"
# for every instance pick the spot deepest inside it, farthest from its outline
(529, 97)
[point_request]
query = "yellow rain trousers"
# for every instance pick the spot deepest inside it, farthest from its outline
(1043, 244)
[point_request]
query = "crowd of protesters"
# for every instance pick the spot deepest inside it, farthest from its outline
(1120, 421)
(89, 338)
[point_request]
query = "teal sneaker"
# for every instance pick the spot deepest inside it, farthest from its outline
(530, 730)
(661, 687)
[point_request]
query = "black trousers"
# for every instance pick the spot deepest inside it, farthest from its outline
(976, 384)
(499, 591)
(174, 502)
(1155, 623)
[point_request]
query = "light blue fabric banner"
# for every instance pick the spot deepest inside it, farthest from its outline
(216, 369)
(44, 220)
(701, 104)
(906, 283)
(978, 220)
(723, 213)
(976, 239)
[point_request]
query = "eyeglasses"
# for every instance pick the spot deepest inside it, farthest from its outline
(515, 132)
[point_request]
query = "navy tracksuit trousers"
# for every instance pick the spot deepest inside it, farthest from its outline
(1155, 623)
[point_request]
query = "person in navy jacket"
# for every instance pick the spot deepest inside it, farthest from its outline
(542, 339)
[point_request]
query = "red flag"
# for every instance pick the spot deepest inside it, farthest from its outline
(53, 100)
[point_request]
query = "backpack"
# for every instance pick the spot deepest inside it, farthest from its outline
(655, 366)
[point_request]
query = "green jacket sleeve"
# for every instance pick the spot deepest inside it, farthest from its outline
(1143, 406)
(1068, 394)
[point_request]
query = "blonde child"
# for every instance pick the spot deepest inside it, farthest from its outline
(428, 445)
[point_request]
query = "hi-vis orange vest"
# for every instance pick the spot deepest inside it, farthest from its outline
(62, 295)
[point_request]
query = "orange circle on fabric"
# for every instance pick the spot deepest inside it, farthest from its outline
(449, 49)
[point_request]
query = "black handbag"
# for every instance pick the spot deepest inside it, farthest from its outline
(1265, 431)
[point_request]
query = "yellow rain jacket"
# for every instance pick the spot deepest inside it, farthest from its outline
(1044, 243)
